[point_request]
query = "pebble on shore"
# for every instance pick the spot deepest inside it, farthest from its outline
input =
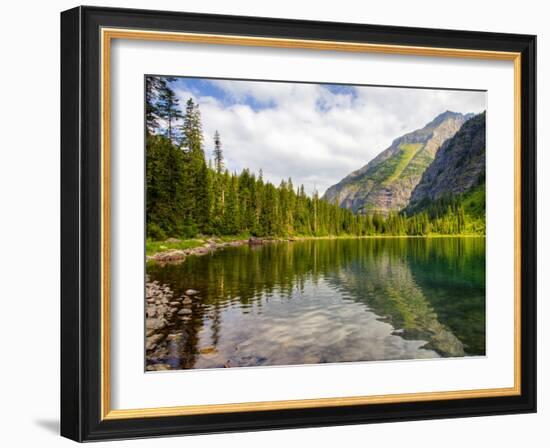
(162, 312)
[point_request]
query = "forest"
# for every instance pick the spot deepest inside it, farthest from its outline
(189, 195)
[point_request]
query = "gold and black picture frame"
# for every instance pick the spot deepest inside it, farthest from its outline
(103, 174)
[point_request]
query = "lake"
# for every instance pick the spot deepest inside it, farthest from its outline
(323, 301)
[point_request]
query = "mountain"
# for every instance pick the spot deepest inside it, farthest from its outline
(385, 183)
(458, 167)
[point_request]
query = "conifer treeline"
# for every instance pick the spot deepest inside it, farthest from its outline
(187, 196)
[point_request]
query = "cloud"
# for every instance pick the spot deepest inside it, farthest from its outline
(316, 134)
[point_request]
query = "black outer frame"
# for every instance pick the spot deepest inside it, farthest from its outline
(81, 220)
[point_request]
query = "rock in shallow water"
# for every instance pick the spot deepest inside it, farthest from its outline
(155, 324)
(153, 340)
(157, 367)
(174, 336)
(208, 350)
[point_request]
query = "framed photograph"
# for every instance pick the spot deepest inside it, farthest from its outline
(273, 223)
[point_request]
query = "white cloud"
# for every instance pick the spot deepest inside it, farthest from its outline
(311, 133)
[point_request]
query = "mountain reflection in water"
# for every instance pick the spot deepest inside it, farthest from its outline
(321, 301)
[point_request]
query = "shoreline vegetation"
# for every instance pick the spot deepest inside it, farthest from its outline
(188, 195)
(176, 250)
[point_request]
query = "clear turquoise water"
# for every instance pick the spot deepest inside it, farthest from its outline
(324, 301)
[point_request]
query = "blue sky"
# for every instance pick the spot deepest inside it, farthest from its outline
(208, 88)
(314, 133)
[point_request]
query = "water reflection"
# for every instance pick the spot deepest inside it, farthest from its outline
(325, 301)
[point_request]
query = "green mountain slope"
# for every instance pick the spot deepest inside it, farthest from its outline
(385, 184)
(462, 213)
(458, 168)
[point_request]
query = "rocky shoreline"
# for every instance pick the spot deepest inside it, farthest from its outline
(169, 317)
(211, 245)
(163, 311)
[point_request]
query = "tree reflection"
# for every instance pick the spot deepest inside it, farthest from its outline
(428, 289)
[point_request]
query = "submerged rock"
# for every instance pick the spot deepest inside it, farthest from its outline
(152, 341)
(255, 241)
(158, 367)
(208, 350)
(174, 336)
(155, 324)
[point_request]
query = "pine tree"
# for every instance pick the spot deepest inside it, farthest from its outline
(218, 154)
(202, 199)
(197, 183)
(246, 200)
(154, 88)
(192, 138)
(167, 109)
(164, 167)
(186, 195)
(315, 207)
(231, 217)
(259, 201)
(270, 218)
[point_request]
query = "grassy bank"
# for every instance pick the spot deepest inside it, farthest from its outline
(156, 247)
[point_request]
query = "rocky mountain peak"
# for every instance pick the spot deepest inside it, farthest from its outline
(459, 165)
(385, 183)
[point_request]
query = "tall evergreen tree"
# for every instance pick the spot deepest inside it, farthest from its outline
(218, 153)
(231, 215)
(196, 183)
(186, 195)
(167, 109)
(155, 86)
(192, 138)
(203, 198)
